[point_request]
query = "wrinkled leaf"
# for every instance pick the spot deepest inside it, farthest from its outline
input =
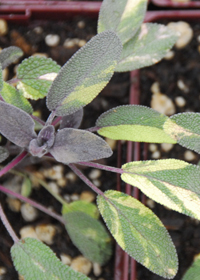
(82, 78)
(26, 187)
(74, 120)
(139, 232)
(34, 260)
(90, 236)
(83, 206)
(31, 72)
(15, 97)
(16, 125)
(151, 43)
(3, 154)
(74, 145)
(122, 16)
(194, 271)
(170, 182)
(10, 55)
(134, 123)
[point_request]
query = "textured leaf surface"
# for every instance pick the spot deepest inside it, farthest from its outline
(139, 232)
(134, 123)
(16, 125)
(15, 97)
(185, 129)
(82, 78)
(34, 260)
(3, 153)
(194, 271)
(89, 235)
(82, 206)
(30, 71)
(1, 78)
(75, 145)
(173, 183)
(122, 16)
(74, 120)
(150, 44)
(9, 55)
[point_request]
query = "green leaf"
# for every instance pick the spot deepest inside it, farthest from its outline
(36, 75)
(12, 96)
(185, 129)
(139, 232)
(10, 55)
(3, 153)
(150, 45)
(26, 187)
(194, 271)
(82, 78)
(82, 206)
(122, 16)
(34, 260)
(89, 235)
(134, 123)
(170, 182)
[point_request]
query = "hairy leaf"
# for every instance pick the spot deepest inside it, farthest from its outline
(34, 260)
(3, 153)
(1, 78)
(194, 271)
(15, 97)
(173, 183)
(82, 78)
(150, 44)
(89, 235)
(122, 16)
(83, 206)
(16, 125)
(31, 72)
(10, 55)
(139, 232)
(74, 145)
(74, 120)
(134, 123)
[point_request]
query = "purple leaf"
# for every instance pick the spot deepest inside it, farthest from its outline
(72, 121)
(46, 136)
(16, 125)
(74, 145)
(36, 150)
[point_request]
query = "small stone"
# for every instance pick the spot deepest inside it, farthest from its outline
(155, 88)
(97, 183)
(53, 187)
(95, 174)
(67, 198)
(97, 269)
(163, 104)
(189, 155)
(155, 155)
(28, 231)
(153, 147)
(81, 43)
(29, 213)
(55, 173)
(198, 39)
(185, 31)
(66, 259)
(52, 40)
(112, 143)
(74, 197)
(3, 27)
(62, 182)
(46, 233)
(182, 86)
(3, 270)
(71, 177)
(170, 55)
(180, 101)
(87, 196)
(40, 54)
(82, 265)
(69, 44)
(150, 203)
(38, 30)
(5, 74)
(14, 204)
(166, 147)
(81, 24)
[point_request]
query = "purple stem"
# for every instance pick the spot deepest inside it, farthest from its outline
(37, 119)
(13, 163)
(56, 121)
(8, 226)
(102, 167)
(93, 129)
(33, 203)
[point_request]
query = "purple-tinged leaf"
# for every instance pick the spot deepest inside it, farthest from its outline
(3, 154)
(74, 145)
(74, 120)
(10, 55)
(36, 150)
(1, 78)
(46, 136)
(16, 125)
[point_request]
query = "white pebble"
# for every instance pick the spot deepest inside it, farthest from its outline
(28, 231)
(87, 196)
(180, 101)
(40, 54)
(170, 55)
(155, 88)
(74, 197)
(189, 155)
(182, 86)
(97, 269)
(82, 265)
(14, 204)
(71, 176)
(155, 155)
(81, 24)
(153, 147)
(46, 233)
(97, 183)
(81, 43)
(56, 172)
(29, 213)
(3, 27)
(53, 187)
(38, 30)
(95, 174)
(69, 44)
(52, 40)
(66, 259)
(166, 147)
(198, 39)
(62, 182)
(3, 270)
(150, 203)
(67, 198)
(163, 104)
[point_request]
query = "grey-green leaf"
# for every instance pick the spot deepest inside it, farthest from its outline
(134, 123)
(147, 47)
(10, 55)
(36, 74)
(1, 78)
(16, 125)
(89, 235)
(34, 260)
(83, 206)
(82, 78)
(15, 97)
(122, 16)
(170, 182)
(3, 153)
(194, 271)
(139, 232)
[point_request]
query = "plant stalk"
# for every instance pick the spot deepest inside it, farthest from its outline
(102, 167)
